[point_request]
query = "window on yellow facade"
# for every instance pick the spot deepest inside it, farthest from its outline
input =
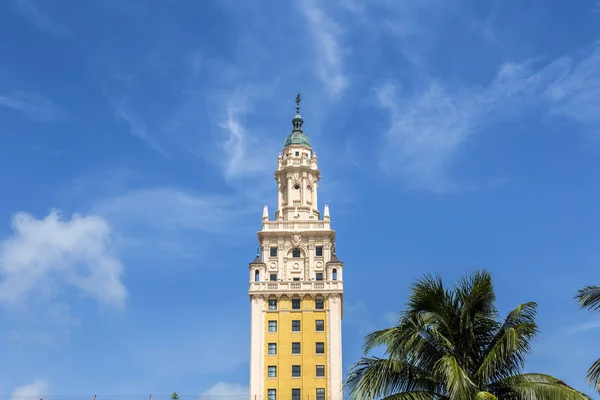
(296, 371)
(321, 394)
(320, 325)
(320, 348)
(272, 326)
(272, 371)
(271, 394)
(295, 304)
(295, 394)
(296, 325)
(295, 347)
(272, 348)
(319, 303)
(272, 304)
(320, 371)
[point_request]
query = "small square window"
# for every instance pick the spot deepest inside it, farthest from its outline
(272, 348)
(295, 347)
(272, 304)
(295, 394)
(272, 326)
(320, 325)
(320, 348)
(296, 253)
(273, 277)
(296, 325)
(320, 394)
(320, 371)
(319, 251)
(297, 153)
(319, 303)
(271, 394)
(295, 371)
(319, 276)
(273, 252)
(295, 304)
(272, 371)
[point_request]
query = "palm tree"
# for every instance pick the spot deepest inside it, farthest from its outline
(450, 345)
(589, 298)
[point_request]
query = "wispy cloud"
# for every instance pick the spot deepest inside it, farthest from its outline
(428, 128)
(45, 256)
(329, 51)
(36, 16)
(137, 126)
(584, 327)
(30, 391)
(32, 105)
(227, 391)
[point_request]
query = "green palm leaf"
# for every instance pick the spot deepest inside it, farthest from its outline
(589, 297)
(536, 387)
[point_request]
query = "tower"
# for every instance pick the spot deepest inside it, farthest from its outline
(296, 290)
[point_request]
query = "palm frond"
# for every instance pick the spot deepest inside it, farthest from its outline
(485, 396)
(589, 298)
(535, 387)
(593, 375)
(378, 377)
(506, 354)
(415, 396)
(457, 382)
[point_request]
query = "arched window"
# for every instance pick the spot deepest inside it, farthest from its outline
(256, 276)
(296, 253)
(319, 303)
(334, 274)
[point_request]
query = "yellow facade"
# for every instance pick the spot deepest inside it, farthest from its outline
(307, 337)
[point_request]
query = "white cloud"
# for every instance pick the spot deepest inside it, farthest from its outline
(31, 391)
(46, 255)
(329, 51)
(137, 126)
(227, 391)
(428, 129)
(36, 16)
(32, 105)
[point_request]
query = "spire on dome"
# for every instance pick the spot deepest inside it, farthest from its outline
(297, 137)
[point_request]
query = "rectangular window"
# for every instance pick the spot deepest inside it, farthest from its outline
(319, 276)
(272, 348)
(320, 371)
(273, 277)
(295, 394)
(296, 279)
(295, 371)
(296, 325)
(271, 394)
(295, 304)
(272, 304)
(272, 371)
(295, 347)
(296, 253)
(319, 251)
(320, 325)
(272, 326)
(319, 303)
(320, 348)
(320, 394)
(273, 252)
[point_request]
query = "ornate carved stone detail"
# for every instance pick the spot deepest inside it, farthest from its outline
(296, 239)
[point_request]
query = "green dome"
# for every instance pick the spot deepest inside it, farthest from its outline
(298, 138)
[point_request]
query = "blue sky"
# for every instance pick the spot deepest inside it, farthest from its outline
(139, 138)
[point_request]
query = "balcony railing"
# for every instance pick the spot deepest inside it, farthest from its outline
(276, 225)
(308, 286)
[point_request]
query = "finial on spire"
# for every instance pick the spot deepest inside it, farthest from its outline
(298, 100)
